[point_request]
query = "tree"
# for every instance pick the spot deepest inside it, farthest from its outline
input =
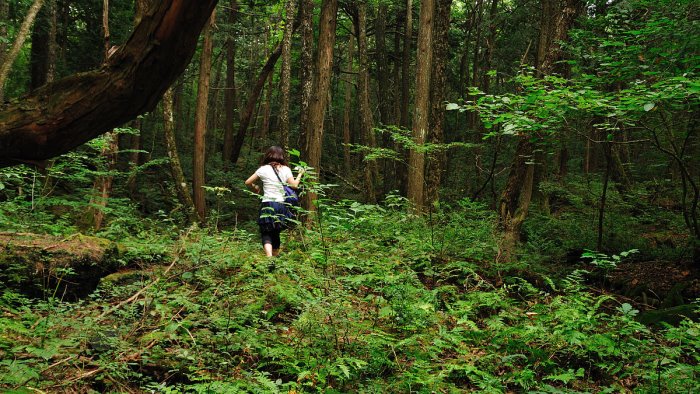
(421, 113)
(321, 85)
(22, 34)
(65, 114)
(515, 199)
(366, 118)
(230, 96)
(200, 123)
(181, 189)
(286, 72)
(438, 84)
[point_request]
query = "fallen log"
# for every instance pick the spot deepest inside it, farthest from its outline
(42, 266)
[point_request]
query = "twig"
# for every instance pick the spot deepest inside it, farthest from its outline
(138, 293)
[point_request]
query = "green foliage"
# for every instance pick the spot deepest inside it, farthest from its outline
(374, 308)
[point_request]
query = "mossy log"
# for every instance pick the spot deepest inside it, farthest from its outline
(40, 265)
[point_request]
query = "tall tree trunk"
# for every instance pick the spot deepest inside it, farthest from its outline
(517, 194)
(490, 45)
(250, 107)
(406, 64)
(265, 127)
(306, 66)
(421, 113)
(322, 82)
(20, 38)
(396, 73)
(382, 64)
(286, 72)
(478, 17)
(438, 82)
(401, 169)
(347, 100)
(4, 17)
(183, 192)
(41, 45)
(102, 188)
(135, 155)
(230, 99)
(366, 119)
(200, 124)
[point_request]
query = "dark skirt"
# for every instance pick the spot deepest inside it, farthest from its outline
(275, 216)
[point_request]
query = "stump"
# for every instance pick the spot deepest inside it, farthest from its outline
(40, 265)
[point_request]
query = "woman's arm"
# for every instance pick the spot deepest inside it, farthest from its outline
(251, 183)
(294, 182)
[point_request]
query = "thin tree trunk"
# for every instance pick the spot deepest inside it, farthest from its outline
(347, 106)
(322, 82)
(366, 119)
(603, 196)
(490, 45)
(230, 99)
(382, 65)
(421, 113)
(438, 82)
(4, 16)
(517, 194)
(265, 128)
(103, 184)
(135, 155)
(200, 126)
(478, 17)
(20, 38)
(183, 192)
(406, 64)
(285, 73)
(252, 101)
(306, 66)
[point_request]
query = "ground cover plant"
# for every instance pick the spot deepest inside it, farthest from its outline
(351, 306)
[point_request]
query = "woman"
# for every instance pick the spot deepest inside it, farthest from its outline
(273, 211)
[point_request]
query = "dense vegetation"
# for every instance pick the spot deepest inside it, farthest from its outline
(519, 213)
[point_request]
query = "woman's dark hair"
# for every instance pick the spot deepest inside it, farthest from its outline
(274, 156)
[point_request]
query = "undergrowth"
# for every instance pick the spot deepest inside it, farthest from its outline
(372, 300)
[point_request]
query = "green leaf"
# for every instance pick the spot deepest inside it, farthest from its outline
(451, 106)
(649, 106)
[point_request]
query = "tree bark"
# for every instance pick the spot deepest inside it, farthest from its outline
(382, 64)
(307, 66)
(247, 114)
(102, 187)
(230, 99)
(65, 114)
(181, 189)
(4, 16)
(322, 82)
(286, 72)
(347, 100)
(43, 42)
(517, 194)
(265, 127)
(406, 64)
(366, 118)
(421, 113)
(200, 124)
(438, 82)
(20, 38)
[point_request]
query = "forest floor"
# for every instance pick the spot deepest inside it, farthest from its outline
(353, 306)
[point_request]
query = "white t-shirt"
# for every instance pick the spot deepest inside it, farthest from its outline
(272, 188)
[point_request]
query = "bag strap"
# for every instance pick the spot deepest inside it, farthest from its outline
(278, 175)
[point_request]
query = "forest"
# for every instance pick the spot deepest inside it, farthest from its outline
(497, 196)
